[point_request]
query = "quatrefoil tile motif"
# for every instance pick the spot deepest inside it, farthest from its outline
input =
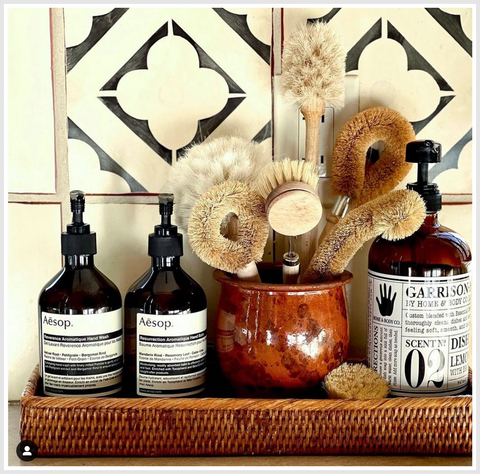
(144, 84)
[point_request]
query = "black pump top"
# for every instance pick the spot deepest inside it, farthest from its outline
(165, 241)
(424, 152)
(78, 240)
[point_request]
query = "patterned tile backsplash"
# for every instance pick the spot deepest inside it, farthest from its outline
(143, 84)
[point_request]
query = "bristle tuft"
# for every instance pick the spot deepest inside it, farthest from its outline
(314, 66)
(285, 171)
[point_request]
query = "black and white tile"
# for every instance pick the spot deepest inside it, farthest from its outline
(145, 83)
(409, 59)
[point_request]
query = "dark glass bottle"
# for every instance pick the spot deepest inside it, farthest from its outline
(165, 321)
(419, 299)
(80, 320)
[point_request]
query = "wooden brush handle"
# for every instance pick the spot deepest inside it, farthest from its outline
(307, 243)
(312, 116)
(249, 273)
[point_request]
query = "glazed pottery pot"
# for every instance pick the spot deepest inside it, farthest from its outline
(275, 340)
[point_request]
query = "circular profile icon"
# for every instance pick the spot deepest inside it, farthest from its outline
(27, 450)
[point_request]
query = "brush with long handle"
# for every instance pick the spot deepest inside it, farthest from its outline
(208, 164)
(395, 215)
(237, 252)
(356, 181)
(290, 190)
(313, 77)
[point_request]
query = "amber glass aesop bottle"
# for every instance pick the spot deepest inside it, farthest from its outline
(80, 320)
(165, 321)
(419, 299)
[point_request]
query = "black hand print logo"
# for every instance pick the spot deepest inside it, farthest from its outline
(385, 305)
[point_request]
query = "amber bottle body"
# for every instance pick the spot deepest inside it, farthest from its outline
(80, 313)
(165, 333)
(419, 311)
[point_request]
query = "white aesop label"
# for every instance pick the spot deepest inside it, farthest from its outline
(418, 332)
(171, 354)
(81, 354)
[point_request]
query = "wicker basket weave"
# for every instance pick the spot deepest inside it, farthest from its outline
(229, 426)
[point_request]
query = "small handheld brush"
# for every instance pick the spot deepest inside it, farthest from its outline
(353, 177)
(355, 381)
(395, 216)
(238, 253)
(293, 207)
(313, 77)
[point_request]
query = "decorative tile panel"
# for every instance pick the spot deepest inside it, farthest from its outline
(145, 83)
(409, 59)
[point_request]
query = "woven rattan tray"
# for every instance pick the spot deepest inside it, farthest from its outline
(220, 425)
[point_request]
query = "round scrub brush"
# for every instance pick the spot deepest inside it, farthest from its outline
(293, 207)
(395, 216)
(289, 188)
(355, 381)
(313, 76)
(353, 176)
(210, 163)
(238, 253)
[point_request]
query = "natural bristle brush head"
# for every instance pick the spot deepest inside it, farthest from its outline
(289, 188)
(314, 67)
(208, 218)
(352, 174)
(395, 215)
(209, 163)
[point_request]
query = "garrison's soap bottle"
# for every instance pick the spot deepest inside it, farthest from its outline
(80, 320)
(419, 299)
(165, 321)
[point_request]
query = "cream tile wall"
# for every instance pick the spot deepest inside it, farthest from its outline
(33, 259)
(134, 86)
(30, 102)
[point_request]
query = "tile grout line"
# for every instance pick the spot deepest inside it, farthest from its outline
(60, 111)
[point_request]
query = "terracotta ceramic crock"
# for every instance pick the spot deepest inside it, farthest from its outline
(278, 340)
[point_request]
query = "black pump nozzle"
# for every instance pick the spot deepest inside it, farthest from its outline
(165, 241)
(78, 240)
(77, 206)
(424, 152)
(166, 208)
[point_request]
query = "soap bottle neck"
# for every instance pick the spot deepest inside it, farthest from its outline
(170, 263)
(431, 220)
(78, 261)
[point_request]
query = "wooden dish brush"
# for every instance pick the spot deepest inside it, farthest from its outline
(313, 76)
(236, 253)
(355, 179)
(290, 190)
(395, 215)
(355, 381)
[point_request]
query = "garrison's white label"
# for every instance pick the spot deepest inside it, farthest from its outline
(81, 354)
(418, 332)
(171, 354)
